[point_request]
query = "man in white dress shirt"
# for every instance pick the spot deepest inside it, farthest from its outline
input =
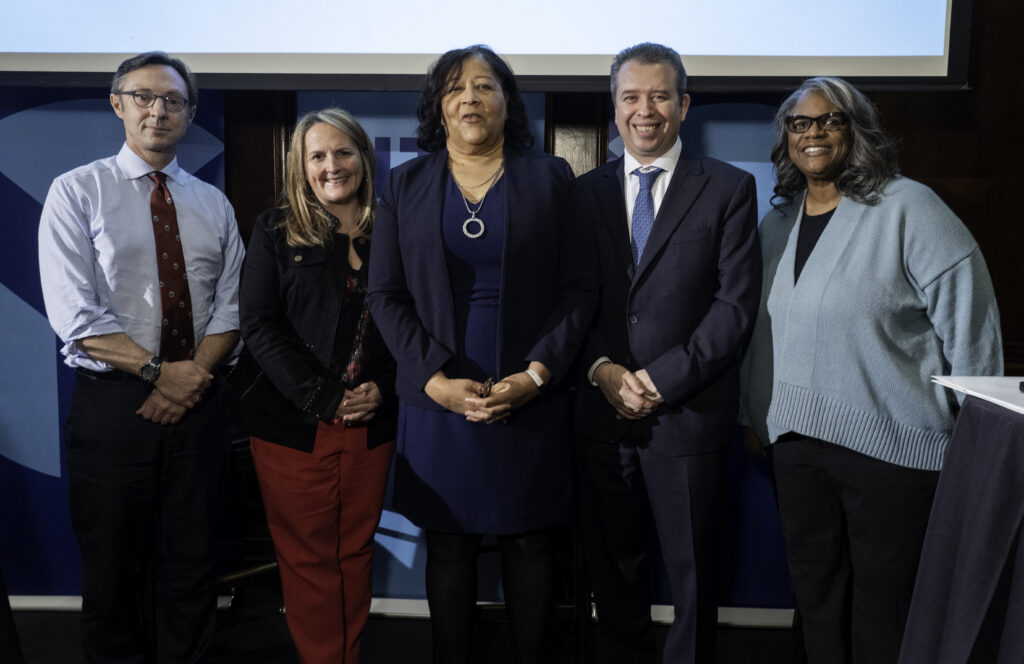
(139, 263)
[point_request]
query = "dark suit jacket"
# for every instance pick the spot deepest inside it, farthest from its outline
(290, 304)
(685, 312)
(549, 285)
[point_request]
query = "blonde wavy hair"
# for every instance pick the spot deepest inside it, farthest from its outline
(306, 223)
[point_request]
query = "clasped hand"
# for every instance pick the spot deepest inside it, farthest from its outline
(632, 395)
(461, 395)
(181, 386)
(360, 403)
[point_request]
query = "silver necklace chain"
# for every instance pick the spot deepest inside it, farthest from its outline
(467, 225)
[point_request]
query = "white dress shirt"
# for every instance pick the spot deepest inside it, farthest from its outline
(97, 255)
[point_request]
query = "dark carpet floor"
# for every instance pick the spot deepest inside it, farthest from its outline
(253, 631)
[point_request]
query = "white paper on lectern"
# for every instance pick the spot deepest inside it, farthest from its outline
(1000, 390)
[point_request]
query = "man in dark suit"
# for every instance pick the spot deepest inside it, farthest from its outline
(681, 270)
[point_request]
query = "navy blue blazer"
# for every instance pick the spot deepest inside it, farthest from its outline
(549, 284)
(684, 313)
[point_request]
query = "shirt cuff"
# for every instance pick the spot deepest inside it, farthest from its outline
(221, 325)
(593, 367)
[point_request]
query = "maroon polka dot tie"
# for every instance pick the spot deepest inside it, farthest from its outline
(176, 336)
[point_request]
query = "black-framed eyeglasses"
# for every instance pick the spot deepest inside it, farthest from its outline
(798, 124)
(146, 99)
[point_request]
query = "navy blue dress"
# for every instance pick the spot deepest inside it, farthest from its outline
(456, 476)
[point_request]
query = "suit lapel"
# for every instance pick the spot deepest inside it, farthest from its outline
(429, 233)
(612, 206)
(517, 190)
(431, 198)
(517, 220)
(688, 181)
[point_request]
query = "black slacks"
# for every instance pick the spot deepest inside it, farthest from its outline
(143, 494)
(854, 527)
(626, 489)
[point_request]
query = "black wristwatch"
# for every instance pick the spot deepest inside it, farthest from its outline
(150, 371)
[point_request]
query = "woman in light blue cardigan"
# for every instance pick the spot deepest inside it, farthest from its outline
(871, 286)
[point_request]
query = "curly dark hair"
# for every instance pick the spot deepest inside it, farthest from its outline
(871, 161)
(430, 134)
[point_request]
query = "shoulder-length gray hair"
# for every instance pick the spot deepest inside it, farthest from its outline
(870, 162)
(305, 222)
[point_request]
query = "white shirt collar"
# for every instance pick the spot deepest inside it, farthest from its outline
(666, 162)
(134, 167)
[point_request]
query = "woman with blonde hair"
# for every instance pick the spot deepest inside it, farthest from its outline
(319, 408)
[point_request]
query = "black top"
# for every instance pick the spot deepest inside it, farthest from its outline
(359, 352)
(811, 228)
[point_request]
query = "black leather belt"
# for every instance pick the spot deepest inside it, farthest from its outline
(104, 375)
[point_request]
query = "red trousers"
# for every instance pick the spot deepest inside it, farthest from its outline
(323, 508)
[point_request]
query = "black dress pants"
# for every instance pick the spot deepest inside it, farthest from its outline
(626, 490)
(143, 497)
(854, 527)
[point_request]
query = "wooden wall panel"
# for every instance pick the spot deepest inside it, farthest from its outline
(965, 146)
(256, 129)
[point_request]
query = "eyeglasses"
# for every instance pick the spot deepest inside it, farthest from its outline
(145, 99)
(798, 124)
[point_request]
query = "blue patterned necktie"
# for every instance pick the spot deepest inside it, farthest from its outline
(643, 212)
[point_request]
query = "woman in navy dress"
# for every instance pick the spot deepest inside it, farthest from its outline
(479, 273)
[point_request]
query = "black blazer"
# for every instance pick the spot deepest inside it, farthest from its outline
(549, 283)
(290, 303)
(685, 312)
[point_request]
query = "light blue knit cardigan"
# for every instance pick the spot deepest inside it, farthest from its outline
(892, 294)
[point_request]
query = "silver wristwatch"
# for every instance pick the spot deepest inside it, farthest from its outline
(150, 371)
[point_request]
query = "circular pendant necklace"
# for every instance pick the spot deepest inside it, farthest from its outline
(474, 227)
(467, 225)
